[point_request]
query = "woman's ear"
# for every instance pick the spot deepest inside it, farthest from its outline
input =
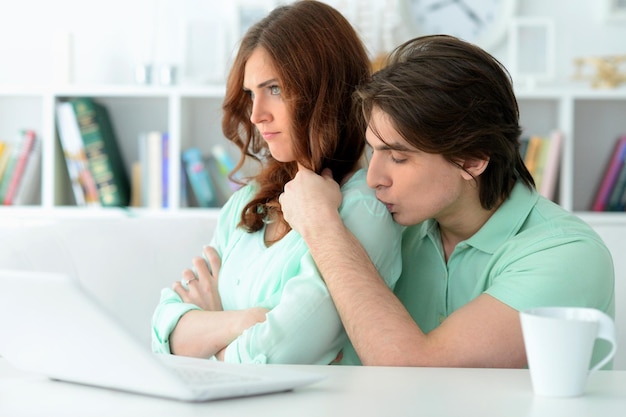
(473, 167)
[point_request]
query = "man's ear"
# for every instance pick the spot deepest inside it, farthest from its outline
(473, 167)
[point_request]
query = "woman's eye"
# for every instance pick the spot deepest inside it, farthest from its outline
(275, 90)
(397, 160)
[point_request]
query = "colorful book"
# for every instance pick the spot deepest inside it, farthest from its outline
(615, 197)
(83, 185)
(8, 171)
(3, 146)
(7, 150)
(199, 178)
(523, 146)
(135, 185)
(532, 153)
(226, 165)
(151, 161)
(165, 169)
(541, 158)
(610, 175)
(101, 147)
(21, 160)
(29, 188)
(221, 183)
(552, 165)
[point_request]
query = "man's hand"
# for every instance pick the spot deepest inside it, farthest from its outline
(309, 200)
(203, 289)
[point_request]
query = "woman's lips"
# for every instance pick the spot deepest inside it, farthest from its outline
(269, 135)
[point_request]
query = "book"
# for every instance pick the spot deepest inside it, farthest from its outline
(199, 178)
(28, 191)
(610, 175)
(615, 197)
(541, 157)
(523, 146)
(150, 160)
(83, 185)
(3, 146)
(226, 165)
(532, 153)
(220, 182)
(165, 168)
(8, 171)
(5, 155)
(21, 159)
(103, 154)
(135, 185)
(552, 165)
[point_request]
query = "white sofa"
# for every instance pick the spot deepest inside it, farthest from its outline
(125, 261)
(122, 261)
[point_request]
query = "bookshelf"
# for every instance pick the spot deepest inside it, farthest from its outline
(590, 120)
(191, 115)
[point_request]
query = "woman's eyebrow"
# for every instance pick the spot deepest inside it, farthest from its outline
(264, 84)
(267, 83)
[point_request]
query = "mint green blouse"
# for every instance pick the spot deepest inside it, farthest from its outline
(303, 326)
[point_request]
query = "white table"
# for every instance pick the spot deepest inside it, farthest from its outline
(347, 391)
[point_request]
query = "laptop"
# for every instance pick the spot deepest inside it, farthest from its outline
(51, 326)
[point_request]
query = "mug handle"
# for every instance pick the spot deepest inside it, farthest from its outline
(606, 331)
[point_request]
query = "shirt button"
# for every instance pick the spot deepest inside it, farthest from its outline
(441, 318)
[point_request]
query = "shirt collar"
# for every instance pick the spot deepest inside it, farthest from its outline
(504, 223)
(507, 220)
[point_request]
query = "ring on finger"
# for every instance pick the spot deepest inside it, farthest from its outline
(185, 282)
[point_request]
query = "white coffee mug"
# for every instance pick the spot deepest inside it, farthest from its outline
(559, 343)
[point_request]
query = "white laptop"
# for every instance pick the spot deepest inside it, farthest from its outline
(51, 326)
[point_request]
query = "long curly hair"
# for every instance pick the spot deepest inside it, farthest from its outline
(319, 59)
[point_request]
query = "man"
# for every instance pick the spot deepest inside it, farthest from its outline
(480, 244)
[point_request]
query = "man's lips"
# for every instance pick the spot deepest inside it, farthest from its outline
(388, 205)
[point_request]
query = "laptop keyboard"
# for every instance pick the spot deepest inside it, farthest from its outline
(199, 376)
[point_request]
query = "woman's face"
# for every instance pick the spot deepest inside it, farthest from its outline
(270, 114)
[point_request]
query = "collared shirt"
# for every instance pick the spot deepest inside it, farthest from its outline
(303, 325)
(530, 253)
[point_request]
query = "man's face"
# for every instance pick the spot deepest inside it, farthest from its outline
(414, 185)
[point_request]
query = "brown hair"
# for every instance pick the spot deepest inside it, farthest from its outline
(449, 97)
(319, 60)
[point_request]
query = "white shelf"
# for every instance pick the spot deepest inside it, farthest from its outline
(112, 91)
(591, 120)
(190, 114)
(73, 212)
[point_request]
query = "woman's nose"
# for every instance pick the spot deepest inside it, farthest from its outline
(259, 114)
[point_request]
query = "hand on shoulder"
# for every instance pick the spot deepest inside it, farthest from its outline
(310, 200)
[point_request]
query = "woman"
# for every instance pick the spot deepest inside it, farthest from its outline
(288, 104)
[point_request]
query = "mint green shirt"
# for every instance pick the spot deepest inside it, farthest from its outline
(530, 253)
(303, 325)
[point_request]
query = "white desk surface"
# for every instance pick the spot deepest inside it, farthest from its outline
(347, 391)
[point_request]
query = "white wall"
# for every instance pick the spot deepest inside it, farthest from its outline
(100, 42)
(109, 38)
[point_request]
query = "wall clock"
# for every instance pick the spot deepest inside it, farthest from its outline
(482, 22)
